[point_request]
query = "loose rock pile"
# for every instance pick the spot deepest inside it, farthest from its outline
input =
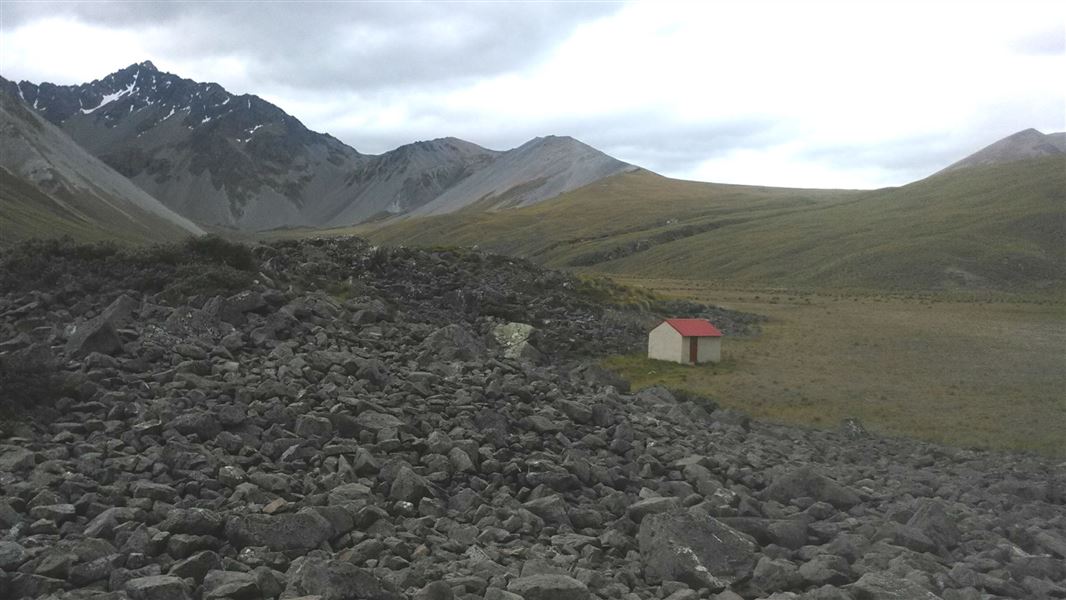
(370, 424)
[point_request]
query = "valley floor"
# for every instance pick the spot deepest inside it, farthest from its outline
(968, 374)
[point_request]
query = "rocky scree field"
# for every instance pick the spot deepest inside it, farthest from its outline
(327, 419)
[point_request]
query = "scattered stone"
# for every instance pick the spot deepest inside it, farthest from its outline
(333, 580)
(805, 482)
(552, 509)
(17, 459)
(408, 486)
(933, 521)
(548, 587)
(157, 587)
(650, 506)
(302, 530)
(197, 566)
(95, 335)
(230, 584)
(437, 590)
(200, 424)
(885, 586)
(11, 556)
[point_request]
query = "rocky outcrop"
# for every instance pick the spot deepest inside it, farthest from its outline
(315, 446)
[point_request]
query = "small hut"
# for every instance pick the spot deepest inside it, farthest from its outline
(685, 341)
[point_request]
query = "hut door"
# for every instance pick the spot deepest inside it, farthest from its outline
(693, 349)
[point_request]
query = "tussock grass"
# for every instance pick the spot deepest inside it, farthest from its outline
(964, 373)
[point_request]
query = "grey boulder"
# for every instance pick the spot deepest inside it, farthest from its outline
(157, 587)
(805, 482)
(333, 580)
(886, 586)
(548, 587)
(304, 530)
(700, 551)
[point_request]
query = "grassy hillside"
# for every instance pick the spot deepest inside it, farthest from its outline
(606, 214)
(996, 227)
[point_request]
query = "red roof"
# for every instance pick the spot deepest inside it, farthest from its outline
(694, 327)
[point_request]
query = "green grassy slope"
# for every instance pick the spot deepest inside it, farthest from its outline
(616, 210)
(998, 227)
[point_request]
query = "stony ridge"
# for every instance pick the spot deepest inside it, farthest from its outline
(328, 419)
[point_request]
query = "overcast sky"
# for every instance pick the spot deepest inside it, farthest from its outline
(845, 94)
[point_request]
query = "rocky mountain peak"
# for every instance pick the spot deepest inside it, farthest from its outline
(1022, 145)
(211, 155)
(554, 140)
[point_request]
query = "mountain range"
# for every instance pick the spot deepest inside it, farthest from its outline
(238, 161)
(144, 155)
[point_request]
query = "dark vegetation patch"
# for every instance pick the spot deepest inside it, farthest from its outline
(30, 384)
(206, 265)
(630, 248)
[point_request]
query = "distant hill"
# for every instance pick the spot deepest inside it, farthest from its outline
(50, 186)
(540, 169)
(988, 227)
(408, 178)
(237, 161)
(1023, 145)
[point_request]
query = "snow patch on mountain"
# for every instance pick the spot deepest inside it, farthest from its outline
(108, 99)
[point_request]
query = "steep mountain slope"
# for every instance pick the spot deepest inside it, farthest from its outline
(540, 169)
(1025, 144)
(409, 177)
(998, 227)
(212, 156)
(50, 186)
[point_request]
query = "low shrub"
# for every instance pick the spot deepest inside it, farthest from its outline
(206, 280)
(219, 250)
(30, 382)
(685, 395)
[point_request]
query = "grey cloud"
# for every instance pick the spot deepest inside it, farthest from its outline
(650, 140)
(346, 59)
(664, 145)
(911, 153)
(335, 46)
(920, 155)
